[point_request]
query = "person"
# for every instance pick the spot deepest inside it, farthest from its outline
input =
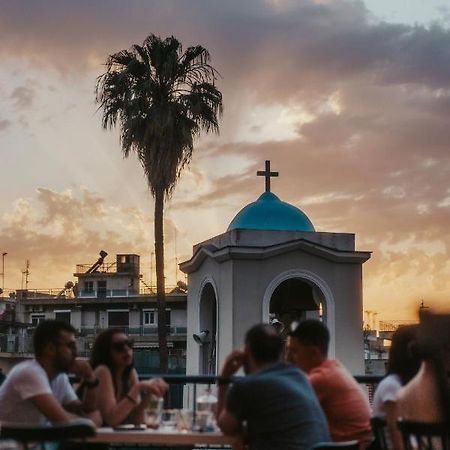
(2, 376)
(275, 399)
(38, 390)
(122, 398)
(430, 386)
(343, 401)
(403, 365)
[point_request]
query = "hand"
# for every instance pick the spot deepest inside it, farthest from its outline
(156, 386)
(233, 363)
(82, 369)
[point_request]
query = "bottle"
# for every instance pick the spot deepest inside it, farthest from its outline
(206, 410)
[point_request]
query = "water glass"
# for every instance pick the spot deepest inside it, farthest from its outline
(169, 418)
(153, 412)
(184, 420)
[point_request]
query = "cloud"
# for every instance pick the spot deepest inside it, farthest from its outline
(57, 230)
(22, 97)
(313, 43)
(352, 111)
(4, 124)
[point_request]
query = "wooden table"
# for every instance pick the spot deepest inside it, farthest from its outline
(161, 437)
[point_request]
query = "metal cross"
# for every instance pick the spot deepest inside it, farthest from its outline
(267, 174)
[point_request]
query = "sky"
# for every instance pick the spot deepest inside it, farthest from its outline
(350, 100)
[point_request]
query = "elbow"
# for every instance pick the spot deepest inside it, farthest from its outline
(112, 420)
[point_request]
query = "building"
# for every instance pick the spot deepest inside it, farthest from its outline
(107, 294)
(271, 265)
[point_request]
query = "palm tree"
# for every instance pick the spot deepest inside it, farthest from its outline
(161, 98)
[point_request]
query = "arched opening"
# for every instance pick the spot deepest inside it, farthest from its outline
(295, 300)
(207, 334)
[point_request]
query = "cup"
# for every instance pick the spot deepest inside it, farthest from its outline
(153, 412)
(184, 420)
(169, 419)
(205, 421)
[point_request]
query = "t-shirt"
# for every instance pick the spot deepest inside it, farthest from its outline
(386, 392)
(25, 381)
(280, 409)
(345, 404)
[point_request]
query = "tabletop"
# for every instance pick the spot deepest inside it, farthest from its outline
(161, 436)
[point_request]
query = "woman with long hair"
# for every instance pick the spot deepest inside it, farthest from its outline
(403, 365)
(122, 398)
(426, 398)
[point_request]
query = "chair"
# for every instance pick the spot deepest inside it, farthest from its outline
(75, 429)
(380, 433)
(425, 436)
(346, 445)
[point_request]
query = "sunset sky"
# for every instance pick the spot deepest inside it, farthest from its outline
(350, 100)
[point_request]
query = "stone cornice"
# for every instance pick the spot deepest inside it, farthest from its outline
(258, 253)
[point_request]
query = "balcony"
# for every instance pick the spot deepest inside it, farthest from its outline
(136, 331)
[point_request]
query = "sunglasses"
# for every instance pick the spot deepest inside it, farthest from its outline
(120, 346)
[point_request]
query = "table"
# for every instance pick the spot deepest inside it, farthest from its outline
(162, 437)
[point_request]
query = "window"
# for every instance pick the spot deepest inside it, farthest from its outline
(89, 286)
(149, 318)
(62, 315)
(37, 318)
(101, 288)
(118, 318)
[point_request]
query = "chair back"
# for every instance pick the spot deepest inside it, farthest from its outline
(346, 445)
(24, 433)
(380, 433)
(425, 436)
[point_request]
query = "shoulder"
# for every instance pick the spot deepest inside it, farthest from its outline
(28, 368)
(102, 371)
(389, 382)
(330, 373)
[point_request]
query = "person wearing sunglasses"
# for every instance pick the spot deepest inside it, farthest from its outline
(122, 398)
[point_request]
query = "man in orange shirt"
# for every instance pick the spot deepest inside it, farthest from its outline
(343, 401)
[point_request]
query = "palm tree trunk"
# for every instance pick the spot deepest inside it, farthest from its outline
(160, 279)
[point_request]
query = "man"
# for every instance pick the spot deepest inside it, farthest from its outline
(38, 390)
(274, 399)
(344, 402)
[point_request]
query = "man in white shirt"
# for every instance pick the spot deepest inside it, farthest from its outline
(38, 390)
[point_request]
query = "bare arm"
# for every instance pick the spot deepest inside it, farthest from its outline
(225, 420)
(88, 403)
(49, 406)
(115, 412)
(391, 411)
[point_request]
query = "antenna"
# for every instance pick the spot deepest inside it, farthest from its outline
(422, 305)
(25, 274)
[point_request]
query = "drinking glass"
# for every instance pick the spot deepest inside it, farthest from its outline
(153, 412)
(184, 420)
(169, 418)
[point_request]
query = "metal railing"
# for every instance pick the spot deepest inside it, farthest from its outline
(58, 293)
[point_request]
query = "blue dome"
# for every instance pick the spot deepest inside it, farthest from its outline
(270, 213)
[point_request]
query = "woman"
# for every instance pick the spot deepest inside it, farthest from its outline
(403, 365)
(426, 398)
(121, 396)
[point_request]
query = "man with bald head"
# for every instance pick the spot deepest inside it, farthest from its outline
(275, 399)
